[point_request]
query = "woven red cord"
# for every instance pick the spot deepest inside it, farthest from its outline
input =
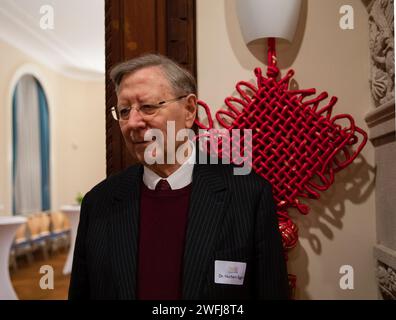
(272, 70)
(296, 144)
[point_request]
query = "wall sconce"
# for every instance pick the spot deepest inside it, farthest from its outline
(268, 18)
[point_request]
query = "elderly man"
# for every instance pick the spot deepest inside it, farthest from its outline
(174, 229)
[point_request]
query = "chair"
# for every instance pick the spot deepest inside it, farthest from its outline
(45, 223)
(21, 246)
(60, 231)
(39, 232)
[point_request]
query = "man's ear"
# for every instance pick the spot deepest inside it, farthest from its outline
(191, 110)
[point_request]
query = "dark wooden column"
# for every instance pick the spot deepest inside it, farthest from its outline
(134, 27)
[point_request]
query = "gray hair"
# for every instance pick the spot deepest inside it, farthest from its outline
(180, 79)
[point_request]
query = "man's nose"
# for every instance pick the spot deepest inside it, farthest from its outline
(135, 120)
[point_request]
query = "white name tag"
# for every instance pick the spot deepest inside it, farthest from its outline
(229, 272)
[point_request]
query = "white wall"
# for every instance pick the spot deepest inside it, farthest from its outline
(77, 126)
(340, 229)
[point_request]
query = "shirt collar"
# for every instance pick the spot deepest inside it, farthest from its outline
(181, 178)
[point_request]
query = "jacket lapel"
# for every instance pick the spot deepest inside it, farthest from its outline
(124, 226)
(207, 206)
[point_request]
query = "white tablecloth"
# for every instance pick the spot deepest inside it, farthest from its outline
(73, 213)
(8, 227)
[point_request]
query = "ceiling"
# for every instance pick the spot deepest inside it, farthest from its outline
(76, 44)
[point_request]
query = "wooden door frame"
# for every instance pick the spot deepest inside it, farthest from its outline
(169, 28)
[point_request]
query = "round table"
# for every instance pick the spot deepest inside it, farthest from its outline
(73, 213)
(8, 227)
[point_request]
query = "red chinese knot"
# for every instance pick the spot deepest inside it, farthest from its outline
(297, 145)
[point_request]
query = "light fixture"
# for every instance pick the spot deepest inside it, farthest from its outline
(268, 18)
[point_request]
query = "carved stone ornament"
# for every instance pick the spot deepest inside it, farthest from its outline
(382, 51)
(386, 277)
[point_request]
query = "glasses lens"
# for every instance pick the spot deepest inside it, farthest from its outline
(123, 113)
(148, 109)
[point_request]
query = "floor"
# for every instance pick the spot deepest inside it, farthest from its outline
(26, 279)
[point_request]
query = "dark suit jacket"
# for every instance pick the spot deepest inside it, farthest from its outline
(230, 218)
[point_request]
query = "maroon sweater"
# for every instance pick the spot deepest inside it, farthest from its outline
(163, 220)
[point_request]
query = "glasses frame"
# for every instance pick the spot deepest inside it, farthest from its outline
(159, 105)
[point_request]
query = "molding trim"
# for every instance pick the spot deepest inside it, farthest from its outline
(381, 120)
(20, 30)
(382, 50)
(386, 277)
(386, 271)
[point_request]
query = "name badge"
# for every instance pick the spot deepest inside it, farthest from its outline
(229, 272)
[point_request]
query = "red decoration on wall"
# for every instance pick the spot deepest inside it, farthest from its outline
(297, 145)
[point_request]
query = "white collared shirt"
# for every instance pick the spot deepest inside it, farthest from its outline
(181, 178)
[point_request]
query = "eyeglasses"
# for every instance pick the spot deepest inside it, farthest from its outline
(123, 112)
